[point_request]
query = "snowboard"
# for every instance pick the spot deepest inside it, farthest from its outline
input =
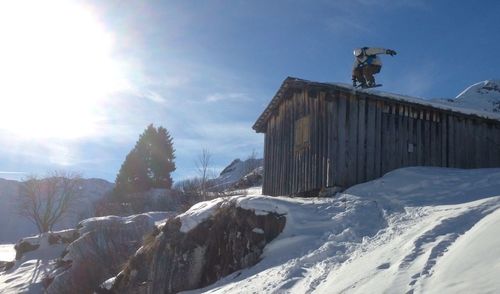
(366, 87)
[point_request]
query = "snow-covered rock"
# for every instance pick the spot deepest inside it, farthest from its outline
(33, 243)
(105, 243)
(77, 260)
(484, 96)
(15, 227)
(29, 273)
(211, 240)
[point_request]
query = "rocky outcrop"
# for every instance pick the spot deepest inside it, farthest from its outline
(6, 265)
(24, 246)
(104, 245)
(179, 257)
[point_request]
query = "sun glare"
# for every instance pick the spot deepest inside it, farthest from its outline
(56, 69)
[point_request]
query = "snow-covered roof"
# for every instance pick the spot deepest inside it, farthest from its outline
(291, 82)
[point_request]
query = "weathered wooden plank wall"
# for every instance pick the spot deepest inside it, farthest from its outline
(370, 139)
(356, 137)
(352, 140)
(342, 141)
(361, 143)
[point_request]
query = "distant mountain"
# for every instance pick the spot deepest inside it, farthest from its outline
(13, 227)
(484, 96)
(235, 171)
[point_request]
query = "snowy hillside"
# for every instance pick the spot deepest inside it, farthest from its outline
(416, 230)
(484, 96)
(15, 227)
(235, 171)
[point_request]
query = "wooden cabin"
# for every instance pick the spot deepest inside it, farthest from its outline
(322, 135)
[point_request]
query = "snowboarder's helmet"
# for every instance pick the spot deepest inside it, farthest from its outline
(357, 52)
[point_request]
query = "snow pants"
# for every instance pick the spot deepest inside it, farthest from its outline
(364, 74)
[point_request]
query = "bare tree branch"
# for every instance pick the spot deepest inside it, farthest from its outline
(251, 163)
(44, 201)
(203, 166)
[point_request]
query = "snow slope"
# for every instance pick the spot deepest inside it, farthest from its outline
(483, 96)
(28, 273)
(235, 171)
(15, 227)
(415, 230)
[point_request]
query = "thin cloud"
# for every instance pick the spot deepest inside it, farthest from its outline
(53, 152)
(155, 97)
(220, 139)
(217, 97)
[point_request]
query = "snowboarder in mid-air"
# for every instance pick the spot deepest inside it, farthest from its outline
(366, 64)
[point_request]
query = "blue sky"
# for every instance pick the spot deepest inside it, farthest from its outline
(84, 78)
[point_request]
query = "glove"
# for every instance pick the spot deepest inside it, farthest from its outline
(390, 52)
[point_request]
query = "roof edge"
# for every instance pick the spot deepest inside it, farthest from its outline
(262, 119)
(292, 81)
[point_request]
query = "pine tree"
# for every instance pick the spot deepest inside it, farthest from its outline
(149, 164)
(163, 152)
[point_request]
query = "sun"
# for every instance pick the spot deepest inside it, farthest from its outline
(57, 68)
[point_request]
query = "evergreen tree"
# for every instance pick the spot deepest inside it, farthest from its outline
(149, 164)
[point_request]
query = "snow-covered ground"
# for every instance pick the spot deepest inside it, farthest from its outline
(7, 252)
(28, 273)
(415, 230)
